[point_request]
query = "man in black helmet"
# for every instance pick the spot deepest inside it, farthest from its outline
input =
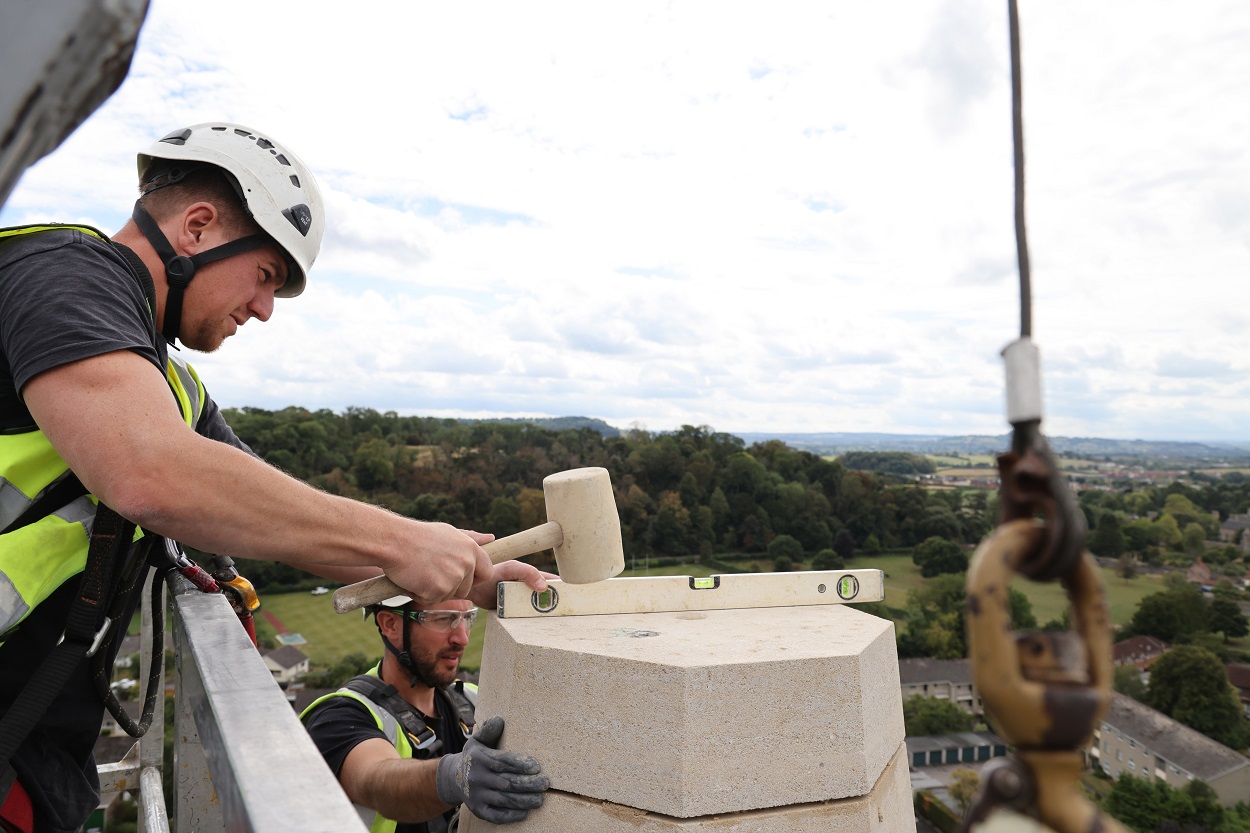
(94, 409)
(400, 737)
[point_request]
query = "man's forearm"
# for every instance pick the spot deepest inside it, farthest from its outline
(401, 790)
(113, 421)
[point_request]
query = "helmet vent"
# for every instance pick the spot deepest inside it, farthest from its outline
(263, 144)
(295, 180)
(300, 217)
(283, 160)
(178, 137)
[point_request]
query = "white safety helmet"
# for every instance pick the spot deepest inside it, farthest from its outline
(395, 602)
(275, 185)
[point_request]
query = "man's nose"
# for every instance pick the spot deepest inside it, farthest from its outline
(460, 633)
(261, 305)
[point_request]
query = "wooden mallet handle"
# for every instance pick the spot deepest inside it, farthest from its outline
(373, 590)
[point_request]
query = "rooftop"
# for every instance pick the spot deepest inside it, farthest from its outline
(1176, 742)
(918, 670)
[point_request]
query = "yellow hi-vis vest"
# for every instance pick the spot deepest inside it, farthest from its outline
(38, 558)
(389, 726)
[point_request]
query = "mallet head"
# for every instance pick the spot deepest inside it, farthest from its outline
(582, 502)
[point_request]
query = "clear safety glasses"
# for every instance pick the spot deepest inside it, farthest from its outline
(443, 621)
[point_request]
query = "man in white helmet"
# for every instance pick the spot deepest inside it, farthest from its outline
(94, 409)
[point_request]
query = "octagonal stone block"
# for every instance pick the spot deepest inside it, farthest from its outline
(699, 713)
(887, 808)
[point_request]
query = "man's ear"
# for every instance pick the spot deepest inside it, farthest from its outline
(390, 624)
(196, 219)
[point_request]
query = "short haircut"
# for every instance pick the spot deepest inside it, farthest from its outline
(193, 183)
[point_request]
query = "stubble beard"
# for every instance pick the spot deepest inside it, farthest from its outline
(204, 338)
(427, 671)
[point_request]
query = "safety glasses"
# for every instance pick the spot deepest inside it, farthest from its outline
(442, 621)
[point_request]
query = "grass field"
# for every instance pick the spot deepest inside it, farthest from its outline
(1049, 600)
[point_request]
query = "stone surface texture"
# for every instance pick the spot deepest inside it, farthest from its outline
(887, 808)
(699, 713)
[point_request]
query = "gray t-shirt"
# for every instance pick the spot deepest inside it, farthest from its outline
(64, 296)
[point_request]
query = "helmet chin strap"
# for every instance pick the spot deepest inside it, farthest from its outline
(180, 269)
(404, 658)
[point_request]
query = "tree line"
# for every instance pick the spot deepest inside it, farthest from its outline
(688, 494)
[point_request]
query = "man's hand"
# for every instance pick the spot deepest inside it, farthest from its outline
(498, 787)
(446, 564)
(484, 595)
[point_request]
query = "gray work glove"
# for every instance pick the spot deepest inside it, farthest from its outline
(498, 787)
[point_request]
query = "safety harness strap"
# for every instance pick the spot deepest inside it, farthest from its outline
(425, 742)
(111, 535)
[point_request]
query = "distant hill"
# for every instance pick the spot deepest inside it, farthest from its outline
(827, 443)
(840, 443)
(554, 423)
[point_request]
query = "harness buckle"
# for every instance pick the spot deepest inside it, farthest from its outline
(99, 637)
(96, 640)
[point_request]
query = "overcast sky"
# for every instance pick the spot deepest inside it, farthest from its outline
(755, 217)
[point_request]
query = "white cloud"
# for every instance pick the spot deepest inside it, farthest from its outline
(792, 218)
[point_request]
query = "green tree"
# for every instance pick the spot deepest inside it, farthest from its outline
(935, 618)
(1138, 802)
(1140, 535)
(1169, 531)
(1126, 679)
(1107, 539)
(373, 465)
(844, 545)
(963, 787)
(934, 716)
(1171, 614)
(1227, 618)
(936, 556)
(827, 560)
(1193, 539)
(785, 547)
(1189, 684)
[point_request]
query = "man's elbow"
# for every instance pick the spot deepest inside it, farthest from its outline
(146, 501)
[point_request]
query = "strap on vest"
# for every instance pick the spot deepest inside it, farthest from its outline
(426, 742)
(111, 535)
(62, 492)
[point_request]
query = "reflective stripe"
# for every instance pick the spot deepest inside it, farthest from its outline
(188, 389)
(12, 606)
(13, 502)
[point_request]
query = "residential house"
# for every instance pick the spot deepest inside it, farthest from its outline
(1140, 651)
(945, 679)
(1234, 529)
(1239, 676)
(1136, 739)
(302, 698)
(286, 663)
(1200, 573)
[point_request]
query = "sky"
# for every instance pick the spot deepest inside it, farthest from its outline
(783, 217)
